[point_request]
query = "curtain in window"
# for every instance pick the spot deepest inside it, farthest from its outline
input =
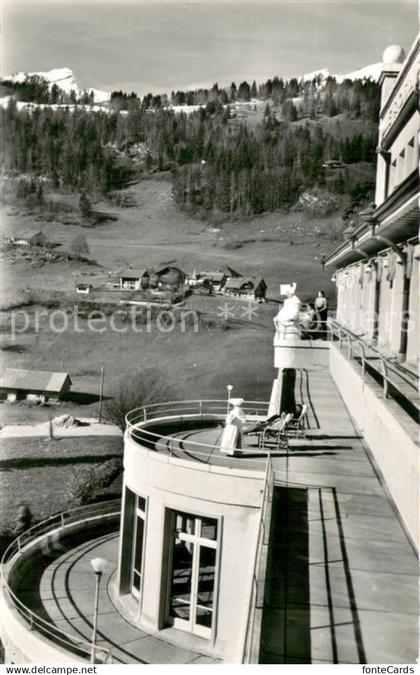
(392, 266)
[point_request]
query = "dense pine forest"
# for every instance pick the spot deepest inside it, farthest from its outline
(246, 149)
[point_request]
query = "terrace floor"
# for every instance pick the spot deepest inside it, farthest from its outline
(343, 577)
(62, 591)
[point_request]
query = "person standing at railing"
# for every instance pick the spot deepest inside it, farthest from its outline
(321, 307)
(236, 425)
(308, 322)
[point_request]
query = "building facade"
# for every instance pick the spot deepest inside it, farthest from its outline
(34, 385)
(376, 271)
(183, 522)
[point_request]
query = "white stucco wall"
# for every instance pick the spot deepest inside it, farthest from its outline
(233, 496)
(367, 308)
(24, 646)
(393, 448)
(404, 151)
(413, 342)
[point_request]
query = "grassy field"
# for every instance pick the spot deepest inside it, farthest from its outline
(155, 232)
(237, 351)
(280, 247)
(195, 364)
(39, 471)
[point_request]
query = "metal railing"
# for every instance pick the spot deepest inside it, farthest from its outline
(193, 406)
(139, 419)
(13, 553)
(358, 347)
(258, 582)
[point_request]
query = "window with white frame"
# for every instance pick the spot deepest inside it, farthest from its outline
(192, 581)
(138, 546)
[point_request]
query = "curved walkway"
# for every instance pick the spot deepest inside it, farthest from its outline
(60, 588)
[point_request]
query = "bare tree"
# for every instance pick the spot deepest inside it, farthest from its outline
(142, 388)
(86, 485)
(79, 246)
(85, 206)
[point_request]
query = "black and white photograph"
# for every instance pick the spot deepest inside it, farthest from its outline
(209, 335)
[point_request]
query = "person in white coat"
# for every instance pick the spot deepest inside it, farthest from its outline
(235, 426)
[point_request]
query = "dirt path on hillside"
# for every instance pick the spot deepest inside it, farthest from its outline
(91, 428)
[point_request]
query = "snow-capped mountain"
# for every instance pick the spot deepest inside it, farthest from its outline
(63, 78)
(373, 72)
(367, 72)
(323, 74)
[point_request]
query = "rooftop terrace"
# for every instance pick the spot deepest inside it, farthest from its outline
(342, 576)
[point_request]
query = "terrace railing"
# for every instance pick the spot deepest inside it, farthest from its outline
(252, 635)
(201, 409)
(84, 515)
(397, 381)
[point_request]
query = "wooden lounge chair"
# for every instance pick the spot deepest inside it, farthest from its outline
(276, 431)
(297, 427)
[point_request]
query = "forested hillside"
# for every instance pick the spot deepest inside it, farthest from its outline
(247, 149)
(37, 89)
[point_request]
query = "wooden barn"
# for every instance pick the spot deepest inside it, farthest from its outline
(37, 238)
(168, 278)
(216, 280)
(34, 385)
(247, 289)
(134, 280)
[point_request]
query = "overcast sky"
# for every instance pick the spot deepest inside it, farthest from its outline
(160, 46)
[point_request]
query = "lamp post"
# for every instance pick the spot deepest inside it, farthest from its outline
(229, 390)
(98, 566)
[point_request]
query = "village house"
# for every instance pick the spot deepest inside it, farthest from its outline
(253, 290)
(216, 281)
(134, 280)
(230, 272)
(195, 279)
(34, 385)
(37, 238)
(83, 289)
(168, 278)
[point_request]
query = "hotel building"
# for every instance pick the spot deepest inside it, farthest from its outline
(301, 553)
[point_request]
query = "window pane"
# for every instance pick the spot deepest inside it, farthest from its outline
(209, 528)
(136, 580)
(185, 522)
(203, 617)
(180, 610)
(141, 503)
(181, 579)
(138, 552)
(206, 576)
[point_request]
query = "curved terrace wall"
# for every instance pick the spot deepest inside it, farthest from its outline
(24, 639)
(226, 492)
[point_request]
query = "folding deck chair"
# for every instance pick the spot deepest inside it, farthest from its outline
(276, 431)
(297, 427)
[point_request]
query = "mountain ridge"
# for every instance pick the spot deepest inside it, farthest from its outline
(371, 71)
(65, 79)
